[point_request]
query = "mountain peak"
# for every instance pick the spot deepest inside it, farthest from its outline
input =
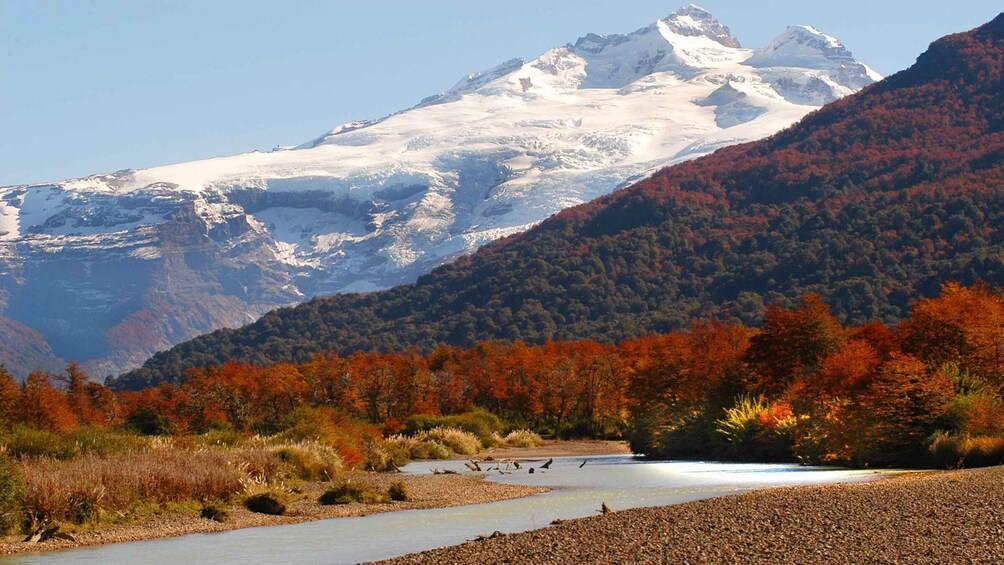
(807, 47)
(795, 45)
(694, 21)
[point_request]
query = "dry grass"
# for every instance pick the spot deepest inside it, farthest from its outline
(348, 492)
(81, 489)
(89, 487)
(416, 448)
(459, 441)
(310, 461)
(522, 438)
(967, 451)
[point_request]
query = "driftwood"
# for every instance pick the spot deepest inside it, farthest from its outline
(495, 534)
(44, 534)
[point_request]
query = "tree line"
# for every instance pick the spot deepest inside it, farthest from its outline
(802, 387)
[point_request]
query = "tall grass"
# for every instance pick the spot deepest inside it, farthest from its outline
(10, 494)
(967, 451)
(86, 488)
(80, 490)
(22, 443)
(521, 438)
(310, 461)
(459, 441)
(481, 423)
(402, 448)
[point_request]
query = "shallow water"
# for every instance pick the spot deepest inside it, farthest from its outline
(620, 481)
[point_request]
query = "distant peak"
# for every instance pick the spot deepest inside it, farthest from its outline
(807, 37)
(807, 47)
(694, 21)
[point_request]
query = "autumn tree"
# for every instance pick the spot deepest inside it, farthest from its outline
(904, 405)
(793, 342)
(43, 406)
(964, 325)
(9, 393)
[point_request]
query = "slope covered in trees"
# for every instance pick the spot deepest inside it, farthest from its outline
(871, 202)
(927, 392)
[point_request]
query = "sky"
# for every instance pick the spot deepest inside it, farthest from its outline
(93, 86)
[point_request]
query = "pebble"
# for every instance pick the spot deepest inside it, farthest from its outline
(937, 517)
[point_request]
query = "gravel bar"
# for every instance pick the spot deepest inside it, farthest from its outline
(937, 517)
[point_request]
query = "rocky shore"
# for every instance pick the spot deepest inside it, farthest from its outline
(940, 517)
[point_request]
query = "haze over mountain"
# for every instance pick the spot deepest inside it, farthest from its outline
(111, 268)
(872, 202)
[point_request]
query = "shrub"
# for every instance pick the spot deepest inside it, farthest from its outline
(402, 448)
(522, 438)
(459, 441)
(482, 423)
(215, 513)
(10, 494)
(419, 423)
(150, 423)
(977, 413)
(350, 438)
(692, 435)
(826, 433)
(397, 492)
(757, 430)
(352, 492)
(967, 451)
(310, 461)
(265, 503)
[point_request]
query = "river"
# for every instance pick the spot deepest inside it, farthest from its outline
(620, 481)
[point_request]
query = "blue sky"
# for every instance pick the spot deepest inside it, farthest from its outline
(89, 86)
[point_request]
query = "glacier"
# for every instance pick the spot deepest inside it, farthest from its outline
(113, 267)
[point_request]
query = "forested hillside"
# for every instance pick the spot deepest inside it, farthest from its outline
(872, 202)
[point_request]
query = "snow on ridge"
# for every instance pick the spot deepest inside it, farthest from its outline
(620, 101)
(373, 203)
(804, 46)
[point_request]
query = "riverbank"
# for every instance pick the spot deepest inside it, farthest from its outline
(424, 491)
(941, 517)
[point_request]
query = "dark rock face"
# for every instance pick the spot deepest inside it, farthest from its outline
(111, 297)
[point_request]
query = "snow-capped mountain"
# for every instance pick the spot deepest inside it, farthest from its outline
(113, 267)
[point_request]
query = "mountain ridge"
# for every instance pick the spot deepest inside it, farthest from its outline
(872, 202)
(112, 268)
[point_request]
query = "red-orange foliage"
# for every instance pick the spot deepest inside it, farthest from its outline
(900, 409)
(865, 394)
(9, 393)
(42, 406)
(964, 325)
(794, 342)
